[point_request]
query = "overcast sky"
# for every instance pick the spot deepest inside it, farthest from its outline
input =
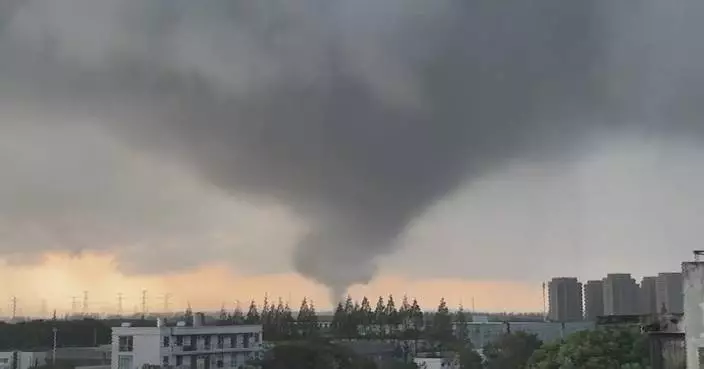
(343, 140)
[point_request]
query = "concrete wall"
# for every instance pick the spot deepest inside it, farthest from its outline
(693, 274)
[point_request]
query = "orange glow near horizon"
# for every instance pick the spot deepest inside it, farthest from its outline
(61, 279)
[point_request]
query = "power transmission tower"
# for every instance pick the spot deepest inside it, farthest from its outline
(74, 305)
(119, 304)
(144, 303)
(167, 302)
(14, 307)
(85, 302)
(43, 311)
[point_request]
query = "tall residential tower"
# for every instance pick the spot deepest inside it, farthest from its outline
(565, 297)
(593, 300)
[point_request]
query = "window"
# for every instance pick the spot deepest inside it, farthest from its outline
(126, 343)
(179, 360)
(167, 341)
(179, 340)
(165, 360)
(124, 362)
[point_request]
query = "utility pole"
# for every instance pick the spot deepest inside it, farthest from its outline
(53, 351)
(119, 304)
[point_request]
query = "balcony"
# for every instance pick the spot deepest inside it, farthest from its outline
(209, 349)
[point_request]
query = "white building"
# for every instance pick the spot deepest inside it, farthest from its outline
(198, 347)
(436, 363)
(22, 359)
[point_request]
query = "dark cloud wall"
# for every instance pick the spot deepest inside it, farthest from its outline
(356, 115)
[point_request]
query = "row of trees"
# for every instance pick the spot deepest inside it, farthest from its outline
(605, 348)
(611, 348)
(351, 319)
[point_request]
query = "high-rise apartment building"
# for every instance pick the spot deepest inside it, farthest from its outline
(669, 295)
(565, 298)
(620, 295)
(593, 300)
(648, 301)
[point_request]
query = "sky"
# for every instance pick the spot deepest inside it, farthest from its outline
(449, 148)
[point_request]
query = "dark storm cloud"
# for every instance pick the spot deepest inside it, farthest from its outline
(357, 115)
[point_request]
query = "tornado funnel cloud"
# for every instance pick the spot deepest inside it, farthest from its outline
(357, 115)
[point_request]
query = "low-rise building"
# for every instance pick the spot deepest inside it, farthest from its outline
(196, 346)
(22, 359)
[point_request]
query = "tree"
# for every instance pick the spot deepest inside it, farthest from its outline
(511, 350)
(313, 355)
(380, 319)
(462, 332)
(442, 323)
(338, 320)
(366, 315)
(188, 315)
(314, 328)
(237, 315)
(417, 316)
(350, 319)
(469, 358)
(404, 314)
(223, 316)
(305, 320)
(601, 348)
(253, 316)
(392, 315)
